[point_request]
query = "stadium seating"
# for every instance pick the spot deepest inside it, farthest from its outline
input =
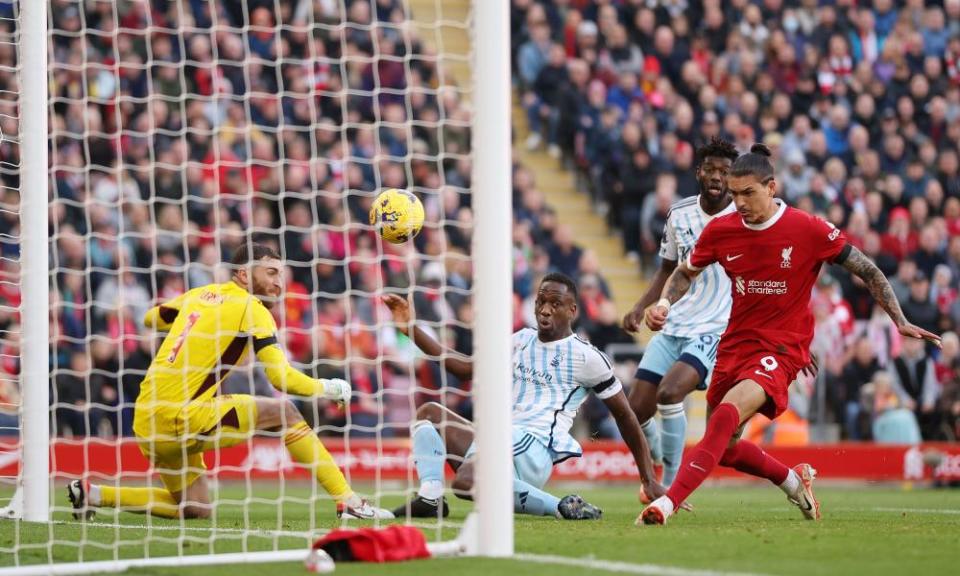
(860, 104)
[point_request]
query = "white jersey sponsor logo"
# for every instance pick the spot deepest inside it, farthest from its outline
(550, 382)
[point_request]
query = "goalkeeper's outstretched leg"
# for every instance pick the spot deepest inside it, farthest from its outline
(306, 448)
(235, 418)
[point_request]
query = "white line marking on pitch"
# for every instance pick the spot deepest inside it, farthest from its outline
(829, 509)
(254, 532)
(166, 528)
(919, 510)
(623, 567)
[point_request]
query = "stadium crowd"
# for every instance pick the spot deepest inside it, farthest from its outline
(180, 129)
(860, 103)
(190, 125)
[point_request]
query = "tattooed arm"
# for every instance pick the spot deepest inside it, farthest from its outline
(858, 264)
(677, 285)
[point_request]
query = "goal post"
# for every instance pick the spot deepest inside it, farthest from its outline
(34, 264)
(492, 243)
(160, 115)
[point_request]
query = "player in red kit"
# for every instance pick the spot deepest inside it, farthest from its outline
(773, 255)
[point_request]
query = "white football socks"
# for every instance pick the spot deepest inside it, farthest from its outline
(93, 495)
(431, 489)
(791, 484)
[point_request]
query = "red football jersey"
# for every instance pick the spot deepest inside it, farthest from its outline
(772, 269)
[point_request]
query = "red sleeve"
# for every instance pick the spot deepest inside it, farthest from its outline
(828, 241)
(704, 253)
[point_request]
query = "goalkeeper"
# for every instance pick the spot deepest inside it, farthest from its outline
(179, 413)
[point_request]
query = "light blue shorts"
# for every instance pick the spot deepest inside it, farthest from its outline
(532, 460)
(664, 351)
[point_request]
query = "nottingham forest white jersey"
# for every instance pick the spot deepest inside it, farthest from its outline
(705, 308)
(550, 382)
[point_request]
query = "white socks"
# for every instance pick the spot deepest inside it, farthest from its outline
(431, 489)
(665, 505)
(791, 484)
(93, 495)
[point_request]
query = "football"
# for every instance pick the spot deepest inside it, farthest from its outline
(397, 215)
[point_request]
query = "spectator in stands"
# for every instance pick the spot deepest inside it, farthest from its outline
(656, 208)
(863, 100)
(534, 54)
(857, 373)
(541, 102)
(906, 272)
(636, 179)
(73, 395)
(918, 307)
(915, 383)
(950, 404)
(893, 421)
(606, 330)
(564, 252)
(796, 180)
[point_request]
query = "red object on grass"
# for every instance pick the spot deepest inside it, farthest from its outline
(390, 544)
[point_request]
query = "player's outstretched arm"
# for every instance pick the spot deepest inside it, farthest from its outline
(634, 319)
(629, 428)
(676, 286)
(286, 378)
(454, 362)
(858, 264)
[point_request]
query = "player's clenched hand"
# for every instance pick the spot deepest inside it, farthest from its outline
(912, 331)
(633, 320)
(655, 317)
(811, 369)
(337, 389)
(400, 309)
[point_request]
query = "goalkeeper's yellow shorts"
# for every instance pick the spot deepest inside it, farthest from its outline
(175, 442)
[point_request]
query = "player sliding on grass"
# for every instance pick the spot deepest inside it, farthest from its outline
(553, 371)
(772, 254)
(180, 414)
(679, 359)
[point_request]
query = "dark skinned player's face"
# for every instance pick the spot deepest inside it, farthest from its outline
(556, 308)
(712, 175)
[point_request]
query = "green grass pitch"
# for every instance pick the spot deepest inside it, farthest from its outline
(743, 529)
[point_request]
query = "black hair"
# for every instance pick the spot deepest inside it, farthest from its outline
(249, 252)
(754, 163)
(717, 148)
(567, 281)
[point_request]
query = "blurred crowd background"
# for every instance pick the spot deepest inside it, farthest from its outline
(860, 103)
(179, 128)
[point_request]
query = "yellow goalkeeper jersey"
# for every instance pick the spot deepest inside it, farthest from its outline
(210, 328)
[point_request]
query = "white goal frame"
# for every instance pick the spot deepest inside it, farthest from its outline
(34, 480)
(489, 530)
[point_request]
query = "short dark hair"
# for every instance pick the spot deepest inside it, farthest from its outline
(754, 163)
(561, 278)
(717, 147)
(249, 252)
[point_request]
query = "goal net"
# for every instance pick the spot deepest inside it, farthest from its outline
(180, 130)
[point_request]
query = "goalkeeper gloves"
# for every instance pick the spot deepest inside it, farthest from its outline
(337, 389)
